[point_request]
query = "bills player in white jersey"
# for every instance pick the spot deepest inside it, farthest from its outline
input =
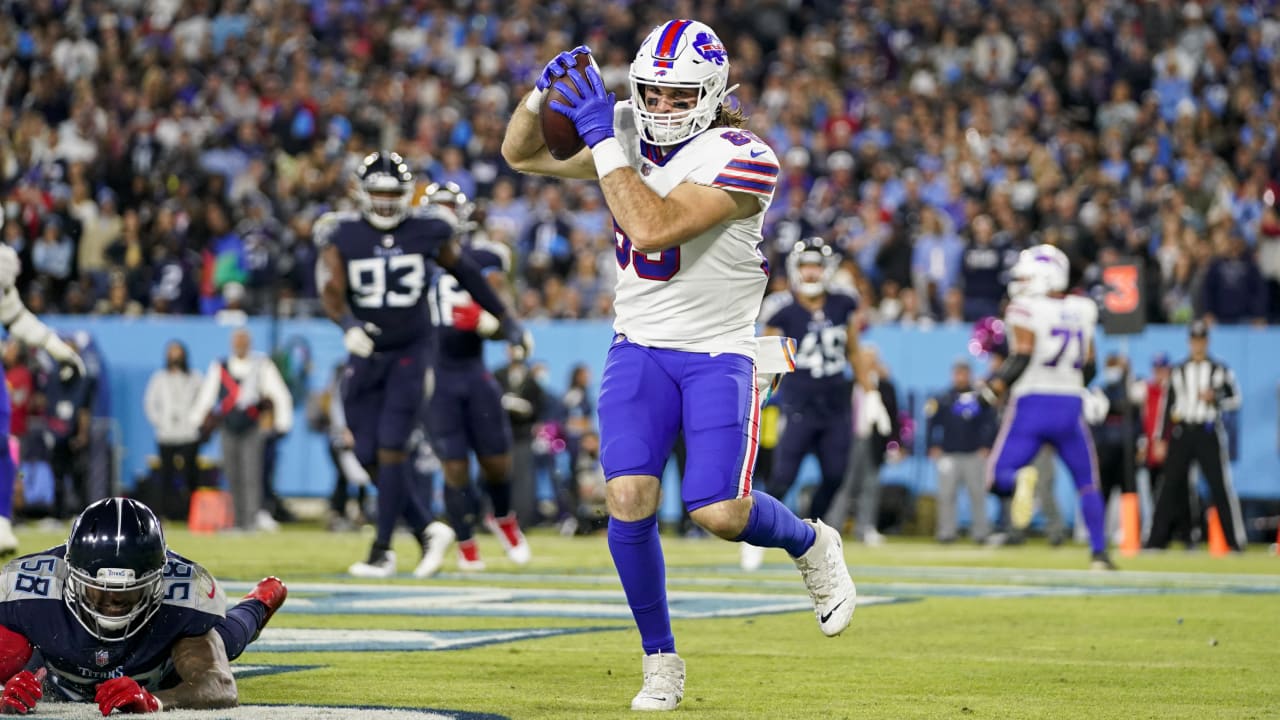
(688, 189)
(24, 326)
(1051, 362)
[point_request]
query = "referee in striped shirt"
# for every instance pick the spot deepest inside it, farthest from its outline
(1200, 390)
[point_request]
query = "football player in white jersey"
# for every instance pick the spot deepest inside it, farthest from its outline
(1051, 362)
(688, 188)
(21, 325)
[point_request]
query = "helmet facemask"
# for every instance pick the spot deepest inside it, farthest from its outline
(384, 200)
(801, 262)
(686, 55)
(116, 603)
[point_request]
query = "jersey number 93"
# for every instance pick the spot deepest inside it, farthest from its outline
(394, 281)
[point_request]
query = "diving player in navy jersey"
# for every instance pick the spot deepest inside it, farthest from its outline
(465, 410)
(374, 270)
(116, 618)
(814, 401)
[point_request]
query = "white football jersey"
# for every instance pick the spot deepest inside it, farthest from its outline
(1064, 329)
(704, 295)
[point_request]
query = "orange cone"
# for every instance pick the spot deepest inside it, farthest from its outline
(1217, 539)
(1130, 525)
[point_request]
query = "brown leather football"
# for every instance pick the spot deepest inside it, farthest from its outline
(557, 130)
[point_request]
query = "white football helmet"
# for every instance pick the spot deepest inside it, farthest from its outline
(1040, 270)
(811, 251)
(680, 54)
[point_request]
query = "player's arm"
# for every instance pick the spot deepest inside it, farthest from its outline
(525, 150)
(654, 223)
(1024, 343)
(1089, 368)
(207, 682)
(861, 373)
(331, 273)
(472, 279)
(523, 146)
(22, 324)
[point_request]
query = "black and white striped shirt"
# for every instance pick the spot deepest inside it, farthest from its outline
(1189, 379)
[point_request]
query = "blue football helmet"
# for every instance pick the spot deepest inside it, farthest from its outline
(384, 189)
(116, 556)
(449, 195)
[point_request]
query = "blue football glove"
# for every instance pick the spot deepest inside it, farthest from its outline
(558, 66)
(590, 105)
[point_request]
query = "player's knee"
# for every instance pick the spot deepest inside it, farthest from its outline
(632, 497)
(456, 473)
(724, 519)
(389, 456)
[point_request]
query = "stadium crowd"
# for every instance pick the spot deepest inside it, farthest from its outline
(159, 156)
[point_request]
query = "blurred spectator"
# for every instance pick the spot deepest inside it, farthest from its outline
(960, 432)
(235, 392)
(171, 392)
(17, 373)
(876, 424)
(526, 403)
(160, 121)
(1234, 290)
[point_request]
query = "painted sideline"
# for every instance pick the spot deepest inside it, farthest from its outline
(84, 711)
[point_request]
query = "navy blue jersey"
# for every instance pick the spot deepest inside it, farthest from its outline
(822, 376)
(388, 270)
(456, 347)
(32, 604)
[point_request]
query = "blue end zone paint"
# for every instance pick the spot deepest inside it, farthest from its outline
(362, 710)
(487, 601)
(244, 671)
(364, 640)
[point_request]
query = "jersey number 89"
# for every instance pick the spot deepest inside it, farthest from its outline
(395, 281)
(660, 266)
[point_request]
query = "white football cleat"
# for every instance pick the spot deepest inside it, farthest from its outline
(827, 577)
(663, 683)
(435, 543)
(513, 542)
(379, 565)
(1023, 505)
(752, 557)
(8, 541)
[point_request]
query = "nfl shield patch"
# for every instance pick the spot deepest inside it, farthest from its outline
(101, 658)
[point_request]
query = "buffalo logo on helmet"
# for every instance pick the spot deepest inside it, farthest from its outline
(710, 47)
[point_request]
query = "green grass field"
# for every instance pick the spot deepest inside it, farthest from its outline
(973, 632)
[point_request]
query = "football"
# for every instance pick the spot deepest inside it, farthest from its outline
(557, 130)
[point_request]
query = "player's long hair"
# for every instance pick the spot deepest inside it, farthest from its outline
(730, 116)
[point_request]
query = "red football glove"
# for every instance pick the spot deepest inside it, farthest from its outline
(126, 695)
(21, 692)
(466, 316)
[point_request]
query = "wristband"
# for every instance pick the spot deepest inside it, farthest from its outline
(608, 156)
(349, 321)
(533, 101)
